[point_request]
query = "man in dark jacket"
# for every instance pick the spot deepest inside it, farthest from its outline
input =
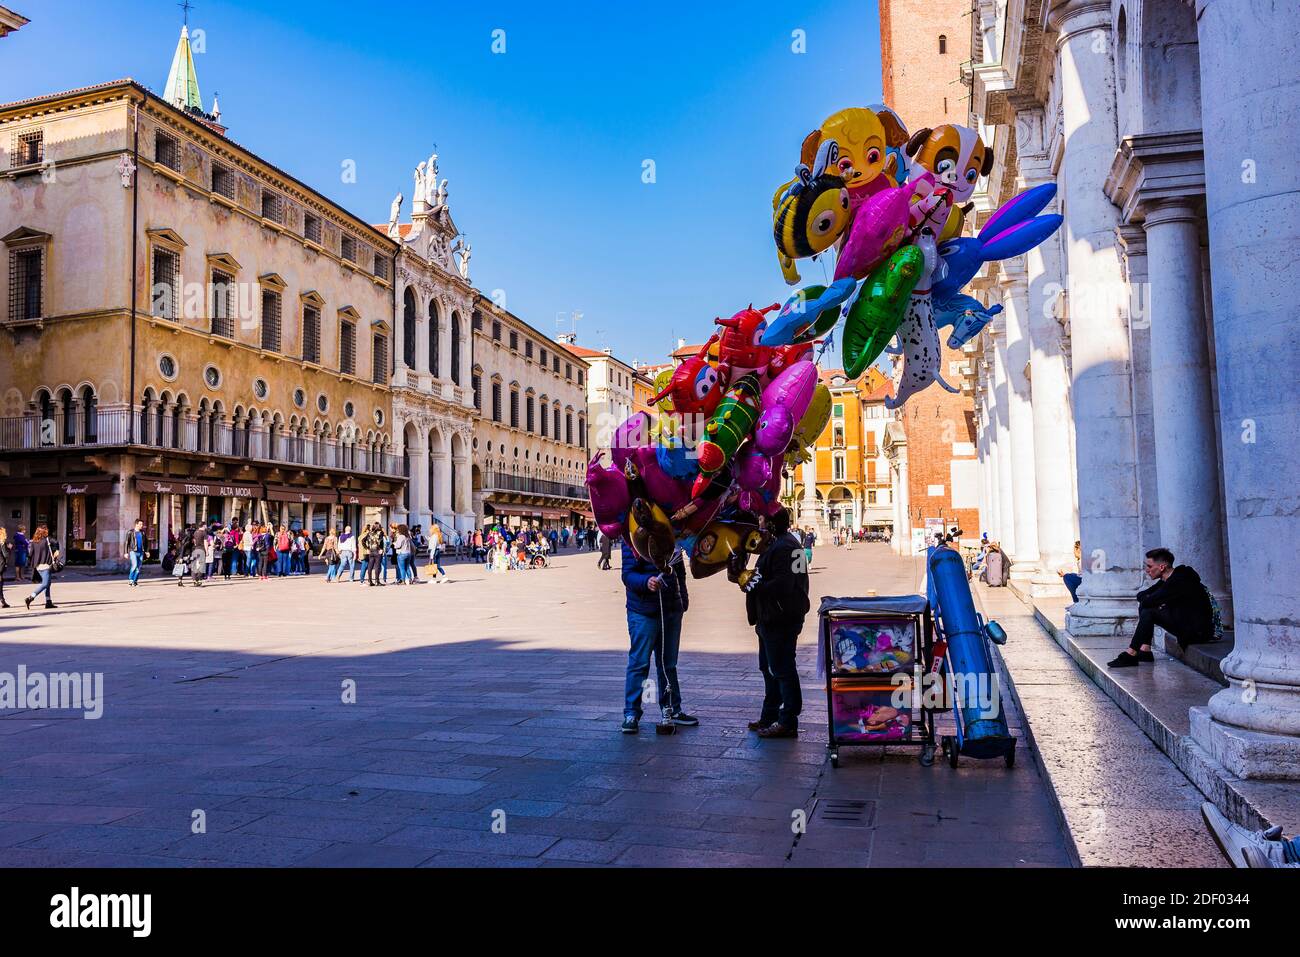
(776, 602)
(655, 604)
(1178, 602)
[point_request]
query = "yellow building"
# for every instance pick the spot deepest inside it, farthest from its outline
(191, 334)
(849, 478)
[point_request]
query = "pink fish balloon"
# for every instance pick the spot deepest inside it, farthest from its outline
(610, 497)
(632, 434)
(785, 400)
(882, 225)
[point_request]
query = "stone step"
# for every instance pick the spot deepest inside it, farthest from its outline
(1123, 803)
(1163, 700)
(1206, 658)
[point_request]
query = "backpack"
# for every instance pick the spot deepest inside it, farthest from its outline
(1216, 615)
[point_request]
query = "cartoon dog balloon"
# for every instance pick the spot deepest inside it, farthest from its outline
(958, 158)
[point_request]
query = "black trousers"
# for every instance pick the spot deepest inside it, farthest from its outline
(1170, 620)
(372, 570)
(782, 695)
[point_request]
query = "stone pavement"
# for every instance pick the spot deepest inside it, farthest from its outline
(490, 698)
(1125, 803)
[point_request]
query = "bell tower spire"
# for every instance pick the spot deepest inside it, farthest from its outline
(182, 90)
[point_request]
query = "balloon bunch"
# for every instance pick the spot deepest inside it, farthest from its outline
(893, 207)
(704, 468)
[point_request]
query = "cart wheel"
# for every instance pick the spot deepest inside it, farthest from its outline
(835, 759)
(951, 751)
(1011, 757)
(927, 755)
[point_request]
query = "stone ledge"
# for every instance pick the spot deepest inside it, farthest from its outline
(1206, 658)
(1251, 803)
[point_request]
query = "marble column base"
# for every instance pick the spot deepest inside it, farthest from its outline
(1246, 754)
(1101, 618)
(1047, 585)
(1024, 572)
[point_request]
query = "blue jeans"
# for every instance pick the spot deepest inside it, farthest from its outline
(347, 564)
(330, 571)
(137, 561)
(282, 563)
(435, 558)
(1072, 582)
(383, 567)
(403, 568)
(645, 633)
(44, 586)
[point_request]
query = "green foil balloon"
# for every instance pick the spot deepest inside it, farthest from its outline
(878, 311)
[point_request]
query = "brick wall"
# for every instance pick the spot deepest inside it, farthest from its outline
(924, 87)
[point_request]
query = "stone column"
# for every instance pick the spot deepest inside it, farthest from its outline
(808, 514)
(1133, 240)
(904, 503)
(1187, 470)
(1020, 421)
(1252, 181)
(1050, 382)
(1002, 423)
(991, 439)
(1101, 393)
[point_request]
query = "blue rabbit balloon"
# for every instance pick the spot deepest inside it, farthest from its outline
(1012, 231)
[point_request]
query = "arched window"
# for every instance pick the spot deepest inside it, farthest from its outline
(407, 331)
(89, 415)
(455, 348)
(434, 336)
(69, 420)
(943, 43)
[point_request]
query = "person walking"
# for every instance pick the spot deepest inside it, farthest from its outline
(209, 553)
(200, 554)
(228, 551)
(1178, 602)
(6, 558)
(347, 548)
(265, 551)
(282, 549)
(363, 552)
(655, 603)
(606, 551)
(435, 569)
(403, 552)
(329, 554)
(22, 552)
(248, 547)
(776, 603)
(46, 561)
(135, 552)
(374, 543)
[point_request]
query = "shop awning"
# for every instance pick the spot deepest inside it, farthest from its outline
(367, 498)
(185, 487)
(91, 485)
(524, 511)
(584, 513)
(555, 513)
(289, 493)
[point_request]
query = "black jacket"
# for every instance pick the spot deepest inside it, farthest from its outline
(42, 554)
(1183, 594)
(780, 599)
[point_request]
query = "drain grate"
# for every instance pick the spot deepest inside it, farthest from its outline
(839, 812)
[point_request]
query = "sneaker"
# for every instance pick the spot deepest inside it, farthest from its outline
(631, 724)
(778, 730)
(759, 725)
(1241, 847)
(1123, 660)
(686, 720)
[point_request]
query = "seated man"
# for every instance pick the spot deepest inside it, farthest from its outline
(1177, 602)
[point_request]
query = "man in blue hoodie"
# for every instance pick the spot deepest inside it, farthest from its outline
(655, 604)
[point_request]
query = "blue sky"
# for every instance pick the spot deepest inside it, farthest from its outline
(543, 145)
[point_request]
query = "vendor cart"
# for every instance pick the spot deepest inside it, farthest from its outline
(874, 653)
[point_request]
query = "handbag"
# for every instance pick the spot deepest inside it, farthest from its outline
(180, 569)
